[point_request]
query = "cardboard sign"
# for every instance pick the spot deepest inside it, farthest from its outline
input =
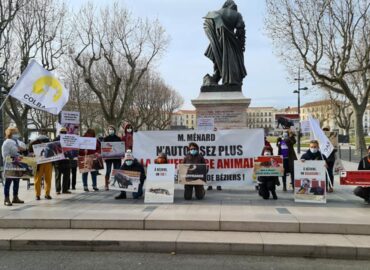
(70, 118)
(20, 167)
(90, 163)
(160, 183)
(355, 178)
(269, 166)
(124, 180)
(69, 142)
(48, 152)
(87, 143)
(112, 150)
(310, 181)
(192, 174)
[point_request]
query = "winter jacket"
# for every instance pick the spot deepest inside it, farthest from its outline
(9, 148)
(128, 137)
(364, 164)
(311, 156)
(64, 163)
(290, 142)
(197, 159)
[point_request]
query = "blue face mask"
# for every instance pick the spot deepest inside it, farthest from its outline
(193, 152)
(129, 162)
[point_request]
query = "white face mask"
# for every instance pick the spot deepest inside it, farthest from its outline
(285, 135)
(15, 136)
(267, 154)
(111, 132)
(313, 150)
(129, 130)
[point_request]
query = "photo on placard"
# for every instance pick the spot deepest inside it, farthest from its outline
(192, 174)
(124, 180)
(268, 166)
(48, 152)
(20, 167)
(112, 150)
(160, 183)
(90, 163)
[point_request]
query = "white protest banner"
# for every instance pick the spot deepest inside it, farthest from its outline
(48, 152)
(40, 89)
(229, 153)
(70, 117)
(112, 150)
(206, 123)
(124, 180)
(326, 147)
(160, 183)
(87, 143)
(310, 181)
(69, 142)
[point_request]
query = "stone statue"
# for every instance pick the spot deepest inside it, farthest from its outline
(225, 30)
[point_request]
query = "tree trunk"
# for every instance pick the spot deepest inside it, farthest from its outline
(359, 128)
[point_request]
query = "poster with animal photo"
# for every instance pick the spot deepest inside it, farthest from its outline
(90, 163)
(269, 166)
(20, 167)
(112, 150)
(160, 183)
(310, 181)
(123, 180)
(71, 121)
(192, 174)
(48, 152)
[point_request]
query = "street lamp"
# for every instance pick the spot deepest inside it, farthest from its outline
(298, 91)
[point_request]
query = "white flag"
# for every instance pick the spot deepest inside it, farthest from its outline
(326, 147)
(40, 89)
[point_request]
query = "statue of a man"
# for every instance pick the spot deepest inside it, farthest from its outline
(225, 30)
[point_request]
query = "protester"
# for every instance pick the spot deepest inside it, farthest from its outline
(62, 168)
(161, 159)
(84, 152)
(43, 171)
(132, 164)
(313, 153)
(128, 136)
(74, 165)
(12, 147)
(116, 163)
(330, 161)
(364, 192)
(194, 157)
(286, 149)
(267, 184)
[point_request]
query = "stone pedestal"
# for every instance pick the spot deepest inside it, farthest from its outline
(228, 108)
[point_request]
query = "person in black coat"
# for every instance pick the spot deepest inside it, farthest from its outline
(364, 192)
(267, 184)
(132, 164)
(313, 153)
(116, 163)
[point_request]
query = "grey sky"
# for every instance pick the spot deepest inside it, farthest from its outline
(184, 64)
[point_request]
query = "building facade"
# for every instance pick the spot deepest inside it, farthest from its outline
(186, 119)
(261, 117)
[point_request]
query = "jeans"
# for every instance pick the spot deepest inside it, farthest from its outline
(139, 193)
(93, 177)
(116, 165)
(8, 182)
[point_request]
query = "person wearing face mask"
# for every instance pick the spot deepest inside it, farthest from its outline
(313, 153)
(194, 157)
(132, 164)
(12, 147)
(267, 184)
(128, 136)
(116, 163)
(62, 170)
(364, 165)
(286, 149)
(161, 159)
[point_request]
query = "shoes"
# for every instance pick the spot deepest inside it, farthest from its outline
(106, 188)
(209, 188)
(48, 197)
(58, 192)
(67, 192)
(330, 190)
(7, 202)
(38, 198)
(284, 188)
(86, 189)
(73, 188)
(95, 189)
(121, 196)
(17, 200)
(274, 196)
(219, 188)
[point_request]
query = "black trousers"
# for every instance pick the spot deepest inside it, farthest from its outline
(199, 192)
(363, 192)
(65, 172)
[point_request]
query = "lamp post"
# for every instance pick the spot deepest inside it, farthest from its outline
(298, 91)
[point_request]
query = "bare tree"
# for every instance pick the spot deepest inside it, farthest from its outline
(36, 32)
(115, 52)
(332, 40)
(342, 111)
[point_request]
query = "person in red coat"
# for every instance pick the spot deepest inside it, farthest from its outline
(128, 136)
(84, 152)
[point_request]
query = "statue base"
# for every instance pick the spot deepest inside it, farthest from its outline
(227, 108)
(220, 88)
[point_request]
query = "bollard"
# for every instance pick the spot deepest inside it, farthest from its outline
(340, 152)
(350, 154)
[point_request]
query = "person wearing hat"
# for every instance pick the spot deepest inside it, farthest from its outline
(43, 171)
(116, 163)
(364, 192)
(62, 167)
(132, 164)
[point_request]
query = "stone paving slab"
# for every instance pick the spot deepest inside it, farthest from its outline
(190, 242)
